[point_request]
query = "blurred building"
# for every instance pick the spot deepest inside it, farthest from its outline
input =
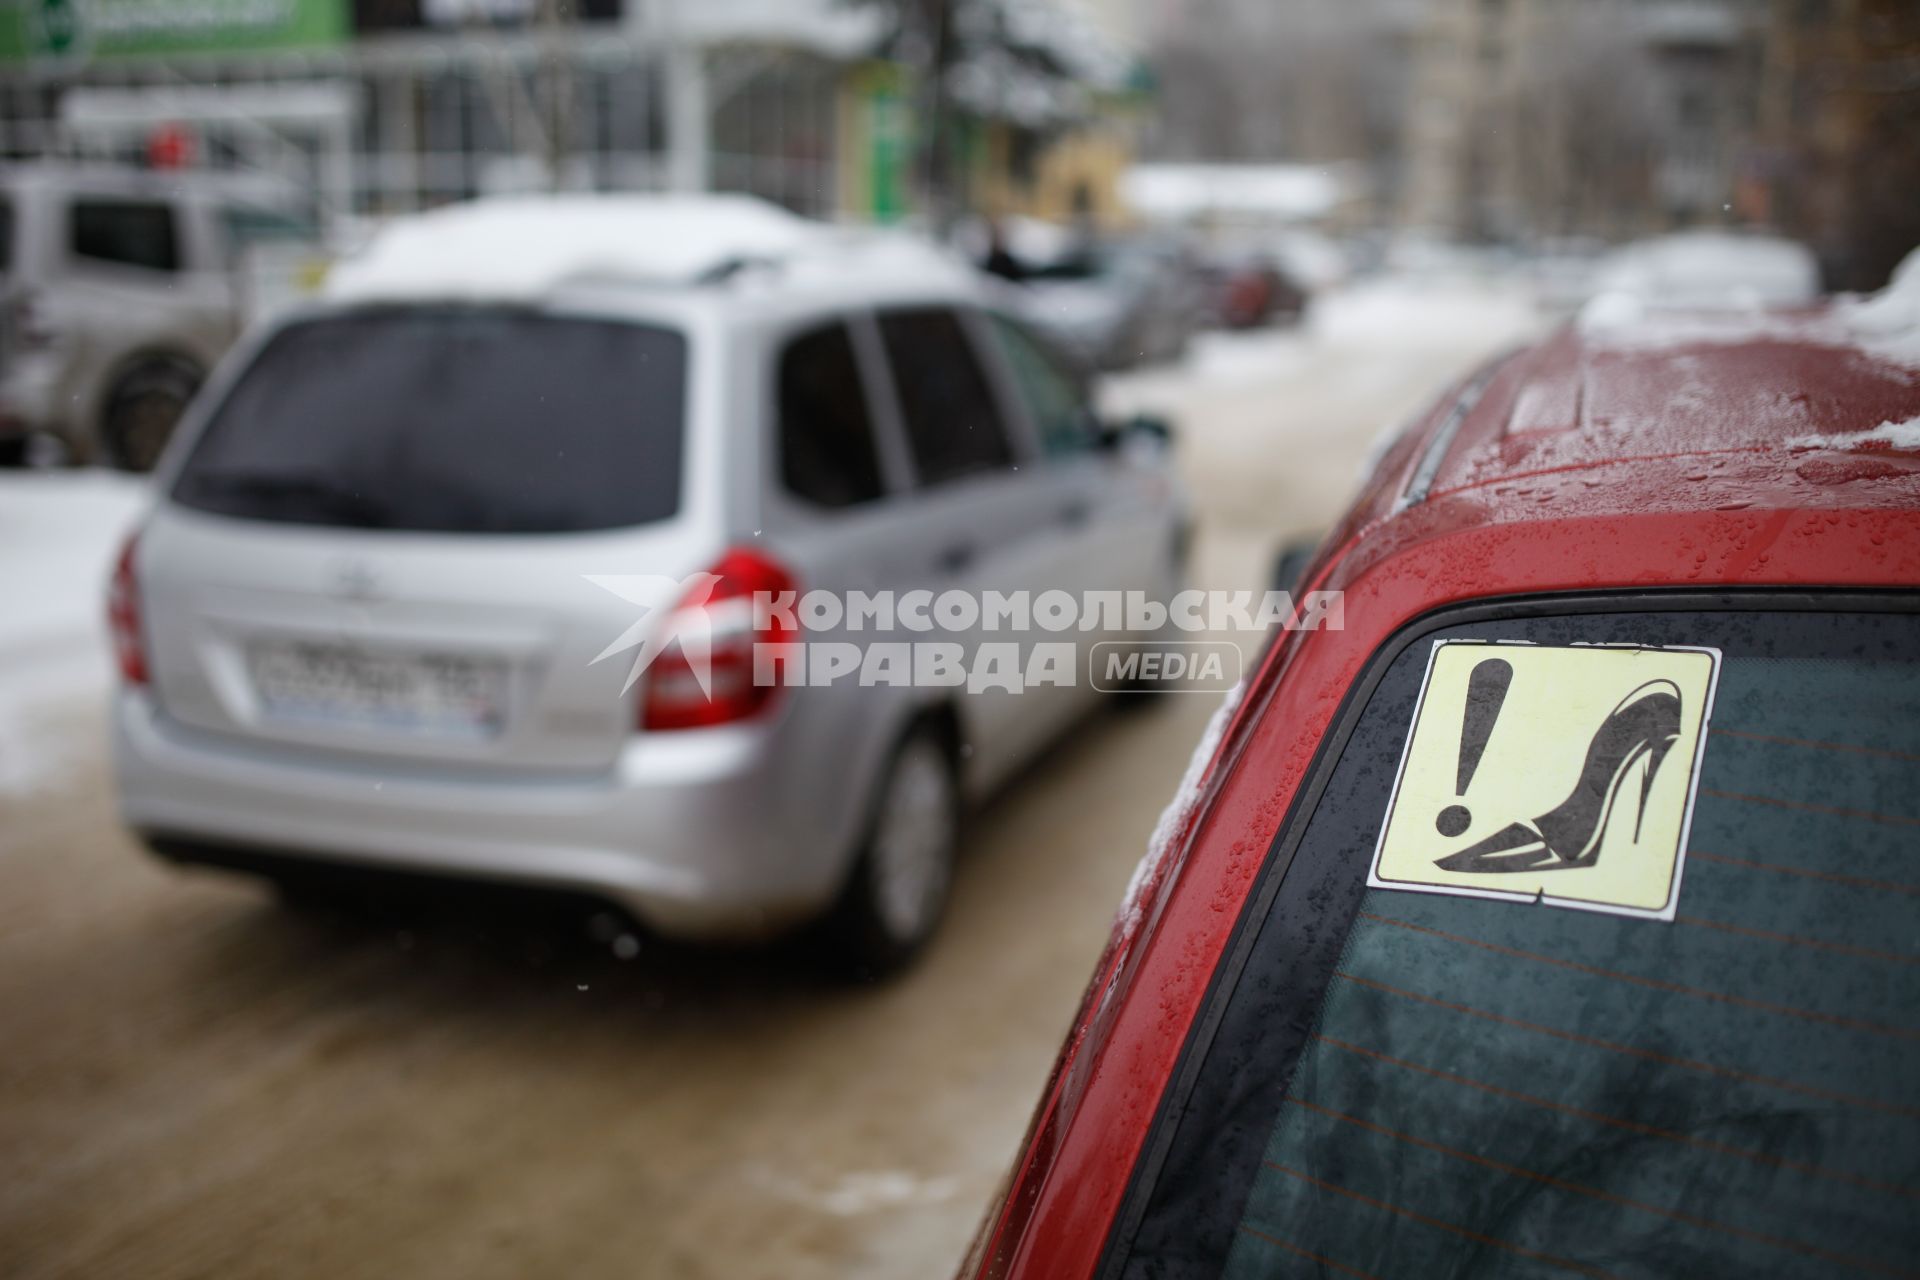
(393, 105)
(1839, 144)
(1042, 105)
(1296, 81)
(1562, 118)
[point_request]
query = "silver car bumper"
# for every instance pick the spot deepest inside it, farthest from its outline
(685, 834)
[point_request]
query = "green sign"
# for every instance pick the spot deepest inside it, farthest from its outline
(883, 120)
(79, 30)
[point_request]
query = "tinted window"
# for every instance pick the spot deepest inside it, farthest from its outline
(1417, 1084)
(131, 233)
(952, 423)
(453, 420)
(826, 436)
(1054, 395)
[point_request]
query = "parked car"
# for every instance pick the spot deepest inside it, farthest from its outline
(361, 626)
(1248, 290)
(119, 289)
(1116, 305)
(1416, 984)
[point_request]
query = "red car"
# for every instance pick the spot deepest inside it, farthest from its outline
(1558, 915)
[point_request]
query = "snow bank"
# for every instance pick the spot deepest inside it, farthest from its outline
(1414, 313)
(1713, 268)
(58, 536)
(1884, 325)
(1278, 192)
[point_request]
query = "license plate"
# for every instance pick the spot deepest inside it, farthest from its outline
(415, 693)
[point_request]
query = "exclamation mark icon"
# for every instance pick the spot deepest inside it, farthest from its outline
(1486, 693)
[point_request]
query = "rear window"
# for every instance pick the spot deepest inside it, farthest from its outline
(1417, 1083)
(127, 233)
(456, 420)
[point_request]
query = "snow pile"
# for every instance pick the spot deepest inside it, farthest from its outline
(1888, 323)
(1885, 325)
(1174, 818)
(1279, 192)
(58, 536)
(1713, 269)
(1414, 313)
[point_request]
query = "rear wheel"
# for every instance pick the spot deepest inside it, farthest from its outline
(898, 891)
(143, 409)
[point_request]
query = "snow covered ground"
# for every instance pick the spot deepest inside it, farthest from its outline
(1389, 314)
(59, 532)
(1317, 395)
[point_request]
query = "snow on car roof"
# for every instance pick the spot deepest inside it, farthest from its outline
(527, 246)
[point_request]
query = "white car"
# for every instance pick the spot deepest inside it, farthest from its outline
(119, 290)
(368, 621)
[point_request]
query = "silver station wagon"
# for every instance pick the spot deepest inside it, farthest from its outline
(416, 588)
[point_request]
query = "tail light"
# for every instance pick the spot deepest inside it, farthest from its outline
(123, 615)
(672, 696)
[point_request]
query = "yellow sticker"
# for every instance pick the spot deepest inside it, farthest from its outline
(1556, 774)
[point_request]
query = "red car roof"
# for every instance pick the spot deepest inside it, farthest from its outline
(1781, 451)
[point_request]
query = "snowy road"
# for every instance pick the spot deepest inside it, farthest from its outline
(193, 1082)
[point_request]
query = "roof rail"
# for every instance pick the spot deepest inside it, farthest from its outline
(1421, 482)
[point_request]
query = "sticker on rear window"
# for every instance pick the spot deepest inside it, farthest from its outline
(1562, 775)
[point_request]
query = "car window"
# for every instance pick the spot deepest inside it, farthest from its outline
(1417, 1083)
(6, 234)
(128, 233)
(827, 452)
(952, 424)
(1053, 395)
(453, 420)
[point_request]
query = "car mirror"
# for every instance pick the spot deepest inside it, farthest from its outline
(1112, 435)
(1148, 427)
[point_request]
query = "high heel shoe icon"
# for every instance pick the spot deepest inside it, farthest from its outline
(1646, 724)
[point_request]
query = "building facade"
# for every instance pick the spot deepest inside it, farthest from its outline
(386, 106)
(1564, 118)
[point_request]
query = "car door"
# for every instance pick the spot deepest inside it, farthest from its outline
(1114, 500)
(837, 505)
(983, 521)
